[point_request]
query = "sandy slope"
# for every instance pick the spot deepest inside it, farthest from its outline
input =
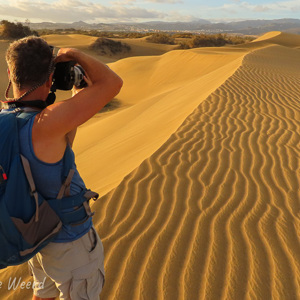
(199, 173)
(139, 47)
(161, 103)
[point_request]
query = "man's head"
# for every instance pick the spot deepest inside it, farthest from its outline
(29, 61)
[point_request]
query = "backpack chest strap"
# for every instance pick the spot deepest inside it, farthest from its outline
(66, 186)
(78, 205)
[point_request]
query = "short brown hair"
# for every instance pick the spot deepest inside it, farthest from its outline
(29, 60)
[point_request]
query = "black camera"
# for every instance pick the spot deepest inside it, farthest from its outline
(68, 74)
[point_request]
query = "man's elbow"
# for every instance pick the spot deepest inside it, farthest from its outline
(112, 85)
(116, 85)
(119, 83)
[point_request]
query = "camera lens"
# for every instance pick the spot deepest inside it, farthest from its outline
(66, 75)
(79, 81)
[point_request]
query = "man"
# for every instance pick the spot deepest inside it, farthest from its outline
(70, 267)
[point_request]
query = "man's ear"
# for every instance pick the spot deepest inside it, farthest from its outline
(49, 81)
(8, 73)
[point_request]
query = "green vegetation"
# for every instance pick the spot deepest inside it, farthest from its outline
(117, 35)
(213, 40)
(10, 30)
(183, 35)
(184, 40)
(97, 33)
(106, 46)
(161, 38)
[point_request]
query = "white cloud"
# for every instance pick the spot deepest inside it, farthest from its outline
(261, 8)
(75, 10)
(274, 8)
(175, 15)
(123, 2)
(165, 1)
(139, 10)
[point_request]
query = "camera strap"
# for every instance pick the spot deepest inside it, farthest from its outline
(32, 103)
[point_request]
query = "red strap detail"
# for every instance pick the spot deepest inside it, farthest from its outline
(9, 101)
(3, 174)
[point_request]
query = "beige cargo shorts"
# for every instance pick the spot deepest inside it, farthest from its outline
(73, 270)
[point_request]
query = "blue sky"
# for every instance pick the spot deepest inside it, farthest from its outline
(94, 11)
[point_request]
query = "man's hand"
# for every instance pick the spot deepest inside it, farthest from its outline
(75, 90)
(65, 54)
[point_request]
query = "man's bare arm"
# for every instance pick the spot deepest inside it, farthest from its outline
(59, 119)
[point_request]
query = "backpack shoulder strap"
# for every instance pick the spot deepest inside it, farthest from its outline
(24, 114)
(31, 183)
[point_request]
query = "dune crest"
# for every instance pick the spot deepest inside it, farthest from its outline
(280, 38)
(161, 96)
(268, 36)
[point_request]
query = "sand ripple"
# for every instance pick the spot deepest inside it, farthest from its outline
(214, 212)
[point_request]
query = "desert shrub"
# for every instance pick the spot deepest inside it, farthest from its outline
(184, 45)
(106, 46)
(119, 35)
(134, 35)
(45, 31)
(96, 33)
(205, 40)
(114, 34)
(183, 35)
(14, 31)
(213, 40)
(161, 38)
(236, 40)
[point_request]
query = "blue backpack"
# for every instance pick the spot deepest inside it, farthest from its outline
(28, 222)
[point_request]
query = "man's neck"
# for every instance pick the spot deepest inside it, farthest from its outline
(38, 94)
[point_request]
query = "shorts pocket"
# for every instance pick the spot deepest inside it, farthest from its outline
(90, 240)
(87, 282)
(93, 246)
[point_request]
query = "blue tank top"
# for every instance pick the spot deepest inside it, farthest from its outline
(47, 178)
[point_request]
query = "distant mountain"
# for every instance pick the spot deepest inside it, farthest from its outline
(256, 26)
(245, 27)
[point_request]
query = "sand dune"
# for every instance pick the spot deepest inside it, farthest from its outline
(214, 212)
(280, 38)
(133, 134)
(199, 175)
(139, 46)
(71, 40)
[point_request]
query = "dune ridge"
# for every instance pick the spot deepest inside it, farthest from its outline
(214, 212)
(280, 38)
(165, 91)
(156, 105)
